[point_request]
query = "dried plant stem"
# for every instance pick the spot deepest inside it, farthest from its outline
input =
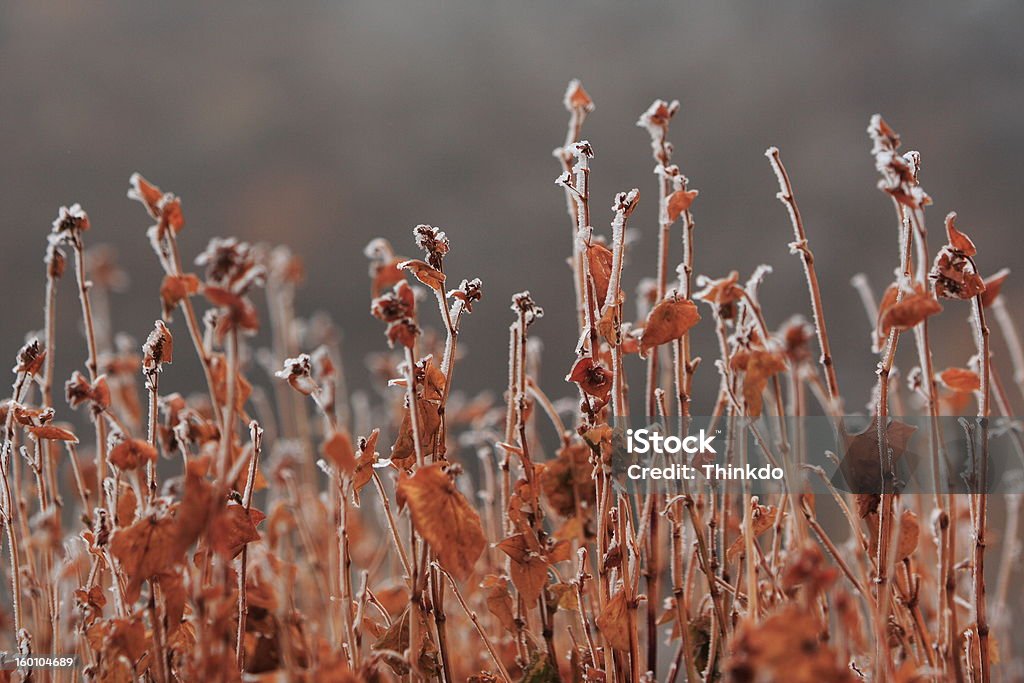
(256, 436)
(800, 246)
(476, 624)
(92, 362)
(981, 517)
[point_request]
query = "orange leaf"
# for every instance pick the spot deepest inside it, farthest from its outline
(529, 570)
(53, 433)
(131, 453)
(680, 201)
(175, 288)
(960, 379)
(905, 314)
(144, 550)
(599, 259)
(338, 451)
(669, 320)
(444, 518)
(425, 273)
(614, 622)
(233, 527)
(993, 285)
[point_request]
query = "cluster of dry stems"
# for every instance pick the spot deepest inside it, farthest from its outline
(237, 534)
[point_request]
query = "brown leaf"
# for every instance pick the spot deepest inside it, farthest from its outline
(680, 201)
(53, 433)
(762, 519)
(905, 314)
(499, 602)
(425, 273)
(958, 240)
(613, 622)
(130, 454)
(758, 366)
(337, 449)
(232, 528)
(364, 463)
(529, 570)
(444, 518)
(960, 379)
(593, 378)
(599, 259)
(144, 549)
(174, 289)
(669, 320)
(993, 285)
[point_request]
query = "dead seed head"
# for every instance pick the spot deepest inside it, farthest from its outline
(524, 304)
(433, 242)
(30, 357)
(69, 225)
(158, 349)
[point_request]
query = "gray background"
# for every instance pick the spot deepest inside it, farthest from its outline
(325, 124)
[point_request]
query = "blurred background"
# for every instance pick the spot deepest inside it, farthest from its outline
(325, 124)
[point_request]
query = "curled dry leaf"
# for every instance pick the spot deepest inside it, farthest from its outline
(904, 314)
(233, 527)
(363, 470)
(444, 518)
(593, 378)
(499, 602)
(53, 433)
(670, 320)
(762, 519)
(425, 273)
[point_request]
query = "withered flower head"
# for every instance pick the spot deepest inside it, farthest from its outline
(285, 266)
(625, 202)
(395, 304)
(30, 357)
(402, 332)
(524, 304)
(158, 349)
(434, 243)
(469, 292)
(70, 223)
(899, 172)
(593, 378)
(231, 264)
(954, 274)
(582, 149)
(163, 207)
(796, 335)
(298, 372)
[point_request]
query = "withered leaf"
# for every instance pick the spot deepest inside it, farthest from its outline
(130, 454)
(993, 285)
(669, 320)
(613, 622)
(444, 518)
(144, 549)
(499, 602)
(174, 289)
(593, 378)
(680, 201)
(53, 433)
(905, 314)
(233, 527)
(337, 449)
(425, 273)
(528, 569)
(758, 366)
(960, 379)
(599, 259)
